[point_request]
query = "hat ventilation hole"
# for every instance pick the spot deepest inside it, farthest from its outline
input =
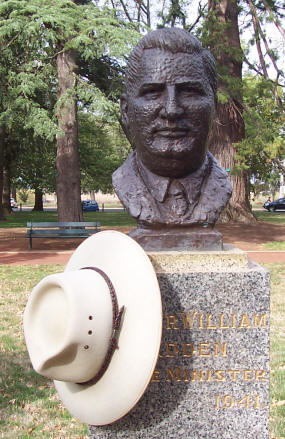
(90, 317)
(86, 346)
(89, 332)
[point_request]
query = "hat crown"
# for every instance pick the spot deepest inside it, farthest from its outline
(68, 325)
(112, 265)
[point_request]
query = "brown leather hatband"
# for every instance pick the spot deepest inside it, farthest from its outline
(116, 326)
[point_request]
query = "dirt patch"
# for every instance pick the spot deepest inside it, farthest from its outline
(14, 244)
(241, 236)
(15, 239)
(251, 237)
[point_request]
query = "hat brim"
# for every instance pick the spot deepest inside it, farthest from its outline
(132, 365)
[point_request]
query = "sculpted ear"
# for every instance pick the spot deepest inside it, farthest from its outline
(124, 114)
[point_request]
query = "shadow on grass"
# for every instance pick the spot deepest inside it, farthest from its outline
(20, 384)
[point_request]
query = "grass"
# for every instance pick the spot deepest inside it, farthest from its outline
(277, 349)
(108, 219)
(270, 217)
(29, 405)
(274, 245)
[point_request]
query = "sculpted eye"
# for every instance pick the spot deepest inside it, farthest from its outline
(151, 92)
(190, 90)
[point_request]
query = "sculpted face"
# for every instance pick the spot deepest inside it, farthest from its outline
(169, 112)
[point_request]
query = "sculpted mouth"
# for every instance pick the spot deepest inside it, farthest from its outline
(174, 147)
(172, 132)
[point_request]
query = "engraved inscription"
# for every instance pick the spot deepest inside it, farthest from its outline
(203, 349)
(247, 402)
(177, 374)
(198, 320)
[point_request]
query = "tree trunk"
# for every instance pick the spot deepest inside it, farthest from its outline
(67, 160)
(227, 131)
(39, 207)
(6, 190)
(14, 193)
(228, 128)
(2, 145)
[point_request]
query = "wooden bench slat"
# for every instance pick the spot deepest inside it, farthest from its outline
(80, 229)
(63, 224)
(63, 232)
(63, 236)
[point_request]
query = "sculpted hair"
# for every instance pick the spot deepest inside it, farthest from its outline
(173, 40)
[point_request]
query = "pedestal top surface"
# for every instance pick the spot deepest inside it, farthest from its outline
(230, 258)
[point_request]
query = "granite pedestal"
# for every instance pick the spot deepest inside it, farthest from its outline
(212, 377)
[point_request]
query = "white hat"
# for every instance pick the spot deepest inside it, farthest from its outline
(97, 330)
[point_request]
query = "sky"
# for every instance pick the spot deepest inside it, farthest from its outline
(191, 7)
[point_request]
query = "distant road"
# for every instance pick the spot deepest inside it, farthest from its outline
(114, 209)
(28, 209)
(54, 209)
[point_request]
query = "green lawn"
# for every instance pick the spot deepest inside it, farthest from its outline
(271, 217)
(274, 245)
(277, 351)
(29, 405)
(109, 219)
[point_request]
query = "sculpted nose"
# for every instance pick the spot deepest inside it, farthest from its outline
(171, 109)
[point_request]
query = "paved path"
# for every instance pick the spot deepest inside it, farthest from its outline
(35, 257)
(267, 256)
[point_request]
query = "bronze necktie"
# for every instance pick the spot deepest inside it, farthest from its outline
(177, 199)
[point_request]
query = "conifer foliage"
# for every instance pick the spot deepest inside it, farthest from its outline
(42, 44)
(237, 140)
(61, 70)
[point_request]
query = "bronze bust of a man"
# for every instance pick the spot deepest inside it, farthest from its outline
(170, 183)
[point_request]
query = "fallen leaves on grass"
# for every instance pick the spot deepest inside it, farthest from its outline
(29, 405)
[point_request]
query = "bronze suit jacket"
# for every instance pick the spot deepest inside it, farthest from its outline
(145, 194)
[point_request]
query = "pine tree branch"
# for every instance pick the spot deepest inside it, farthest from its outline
(268, 51)
(252, 66)
(142, 6)
(256, 28)
(139, 11)
(162, 9)
(114, 8)
(259, 33)
(126, 11)
(12, 40)
(260, 73)
(275, 21)
(148, 13)
(201, 13)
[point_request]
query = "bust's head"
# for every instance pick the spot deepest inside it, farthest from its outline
(169, 101)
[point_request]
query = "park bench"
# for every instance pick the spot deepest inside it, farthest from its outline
(61, 230)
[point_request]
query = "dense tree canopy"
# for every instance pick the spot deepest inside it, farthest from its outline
(102, 148)
(57, 51)
(239, 35)
(62, 62)
(262, 150)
